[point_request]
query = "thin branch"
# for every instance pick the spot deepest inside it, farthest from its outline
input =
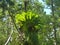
(12, 30)
(11, 15)
(9, 38)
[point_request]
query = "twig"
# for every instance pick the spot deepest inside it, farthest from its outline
(9, 38)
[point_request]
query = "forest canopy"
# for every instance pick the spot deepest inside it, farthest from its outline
(25, 22)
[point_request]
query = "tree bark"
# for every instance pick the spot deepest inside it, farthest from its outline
(54, 28)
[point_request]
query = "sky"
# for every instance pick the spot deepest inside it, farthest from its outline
(48, 11)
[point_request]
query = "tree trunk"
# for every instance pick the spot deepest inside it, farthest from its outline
(54, 28)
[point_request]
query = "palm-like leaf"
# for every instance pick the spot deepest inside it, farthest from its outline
(28, 20)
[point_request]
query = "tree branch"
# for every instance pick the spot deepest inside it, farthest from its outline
(9, 38)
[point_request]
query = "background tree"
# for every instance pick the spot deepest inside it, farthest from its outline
(24, 22)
